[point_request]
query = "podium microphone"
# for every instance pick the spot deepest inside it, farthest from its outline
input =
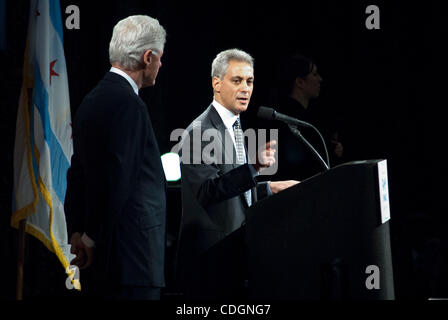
(270, 114)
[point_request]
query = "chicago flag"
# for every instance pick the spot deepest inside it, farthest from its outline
(43, 145)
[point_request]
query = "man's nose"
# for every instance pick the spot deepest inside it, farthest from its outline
(245, 87)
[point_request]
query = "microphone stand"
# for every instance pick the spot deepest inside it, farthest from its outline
(297, 133)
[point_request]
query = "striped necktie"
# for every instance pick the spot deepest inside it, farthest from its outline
(240, 154)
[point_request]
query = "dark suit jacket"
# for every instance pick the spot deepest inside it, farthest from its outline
(213, 204)
(116, 186)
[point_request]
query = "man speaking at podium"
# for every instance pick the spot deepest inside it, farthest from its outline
(216, 193)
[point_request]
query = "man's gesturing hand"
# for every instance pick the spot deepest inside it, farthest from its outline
(266, 156)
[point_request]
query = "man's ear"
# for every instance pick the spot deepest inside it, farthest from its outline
(298, 82)
(216, 84)
(147, 57)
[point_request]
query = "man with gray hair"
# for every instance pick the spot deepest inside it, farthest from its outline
(115, 201)
(215, 193)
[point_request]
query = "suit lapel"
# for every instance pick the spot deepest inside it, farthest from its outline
(216, 121)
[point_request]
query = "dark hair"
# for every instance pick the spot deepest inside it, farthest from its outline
(292, 67)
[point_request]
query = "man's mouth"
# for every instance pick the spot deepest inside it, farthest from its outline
(243, 100)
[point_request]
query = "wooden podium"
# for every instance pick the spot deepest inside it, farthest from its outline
(323, 239)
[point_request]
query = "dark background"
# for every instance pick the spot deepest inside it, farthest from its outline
(384, 86)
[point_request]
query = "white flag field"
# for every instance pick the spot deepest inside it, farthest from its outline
(43, 144)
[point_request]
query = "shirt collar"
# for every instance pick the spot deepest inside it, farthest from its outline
(127, 77)
(226, 115)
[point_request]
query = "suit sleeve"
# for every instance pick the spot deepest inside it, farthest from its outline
(208, 181)
(211, 186)
(263, 190)
(74, 203)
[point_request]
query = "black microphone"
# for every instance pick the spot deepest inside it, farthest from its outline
(270, 114)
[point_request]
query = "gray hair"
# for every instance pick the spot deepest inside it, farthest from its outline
(131, 37)
(221, 62)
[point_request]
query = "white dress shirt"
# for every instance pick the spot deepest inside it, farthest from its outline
(127, 77)
(228, 118)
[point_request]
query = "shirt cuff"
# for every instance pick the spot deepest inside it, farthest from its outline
(268, 187)
(253, 171)
(88, 241)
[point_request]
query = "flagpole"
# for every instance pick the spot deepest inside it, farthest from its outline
(20, 259)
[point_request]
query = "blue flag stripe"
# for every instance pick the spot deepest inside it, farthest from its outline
(59, 163)
(55, 17)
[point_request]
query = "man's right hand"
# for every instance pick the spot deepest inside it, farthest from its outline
(266, 156)
(84, 254)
